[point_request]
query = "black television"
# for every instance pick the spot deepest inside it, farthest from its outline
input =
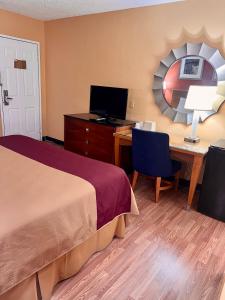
(108, 102)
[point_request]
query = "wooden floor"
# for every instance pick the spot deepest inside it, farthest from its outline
(167, 253)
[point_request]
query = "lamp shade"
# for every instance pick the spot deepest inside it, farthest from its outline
(201, 97)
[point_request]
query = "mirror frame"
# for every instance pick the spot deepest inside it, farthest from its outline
(212, 55)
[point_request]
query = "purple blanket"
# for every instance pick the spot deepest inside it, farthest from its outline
(113, 193)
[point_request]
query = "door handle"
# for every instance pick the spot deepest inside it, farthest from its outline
(6, 97)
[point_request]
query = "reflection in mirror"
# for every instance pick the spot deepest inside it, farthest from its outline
(190, 70)
(191, 64)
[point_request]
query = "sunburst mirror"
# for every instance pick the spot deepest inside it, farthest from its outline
(191, 64)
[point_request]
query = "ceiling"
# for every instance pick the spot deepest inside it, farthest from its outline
(56, 9)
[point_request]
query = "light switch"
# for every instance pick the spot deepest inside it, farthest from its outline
(131, 104)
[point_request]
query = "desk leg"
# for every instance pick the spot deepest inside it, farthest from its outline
(196, 169)
(117, 150)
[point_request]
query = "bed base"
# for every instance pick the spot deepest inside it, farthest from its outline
(41, 284)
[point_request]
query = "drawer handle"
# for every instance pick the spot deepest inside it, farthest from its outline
(86, 153)
(87, 129)
(86, 142)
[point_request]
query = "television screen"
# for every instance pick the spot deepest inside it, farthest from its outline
(108, 102)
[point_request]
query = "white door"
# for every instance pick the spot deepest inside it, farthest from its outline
(19, 85)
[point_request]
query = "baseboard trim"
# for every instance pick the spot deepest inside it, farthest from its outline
(51, 139)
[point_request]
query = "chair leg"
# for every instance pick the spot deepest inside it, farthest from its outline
(157, 188)
(134, 179)
(177, 177)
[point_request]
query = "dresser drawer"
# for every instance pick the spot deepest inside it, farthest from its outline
(77, 125)
(84, 131)
(85, 127)
(90, 139)
(100, 153)
(76, 146)
(93, 138)
(90, 150)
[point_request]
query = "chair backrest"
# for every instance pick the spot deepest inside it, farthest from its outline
(150, 152)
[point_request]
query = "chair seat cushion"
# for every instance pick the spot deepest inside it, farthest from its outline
(176, 166)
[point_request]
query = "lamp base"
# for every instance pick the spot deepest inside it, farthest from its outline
(192, 140)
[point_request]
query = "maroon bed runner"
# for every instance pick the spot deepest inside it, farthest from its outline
(112, 186)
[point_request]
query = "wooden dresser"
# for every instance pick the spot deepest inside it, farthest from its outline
(85, 136)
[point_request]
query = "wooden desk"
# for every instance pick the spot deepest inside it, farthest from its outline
(180, 149)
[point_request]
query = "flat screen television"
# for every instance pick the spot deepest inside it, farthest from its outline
(108, 102)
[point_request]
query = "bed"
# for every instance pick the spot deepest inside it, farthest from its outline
(57, 208)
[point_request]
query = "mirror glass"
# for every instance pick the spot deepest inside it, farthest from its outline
(190, 64)
(186, 71)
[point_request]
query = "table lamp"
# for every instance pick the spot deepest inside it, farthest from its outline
(200, 99)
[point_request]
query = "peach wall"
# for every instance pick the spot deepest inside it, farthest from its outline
(124, 49)
(23, 27)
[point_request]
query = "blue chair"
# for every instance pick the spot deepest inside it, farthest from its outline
(151, 157)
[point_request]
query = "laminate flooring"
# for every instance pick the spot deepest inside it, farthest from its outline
(167, 253)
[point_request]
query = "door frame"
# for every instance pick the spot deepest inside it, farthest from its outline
(39, 81)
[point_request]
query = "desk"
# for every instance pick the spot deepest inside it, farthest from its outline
(183, 150)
